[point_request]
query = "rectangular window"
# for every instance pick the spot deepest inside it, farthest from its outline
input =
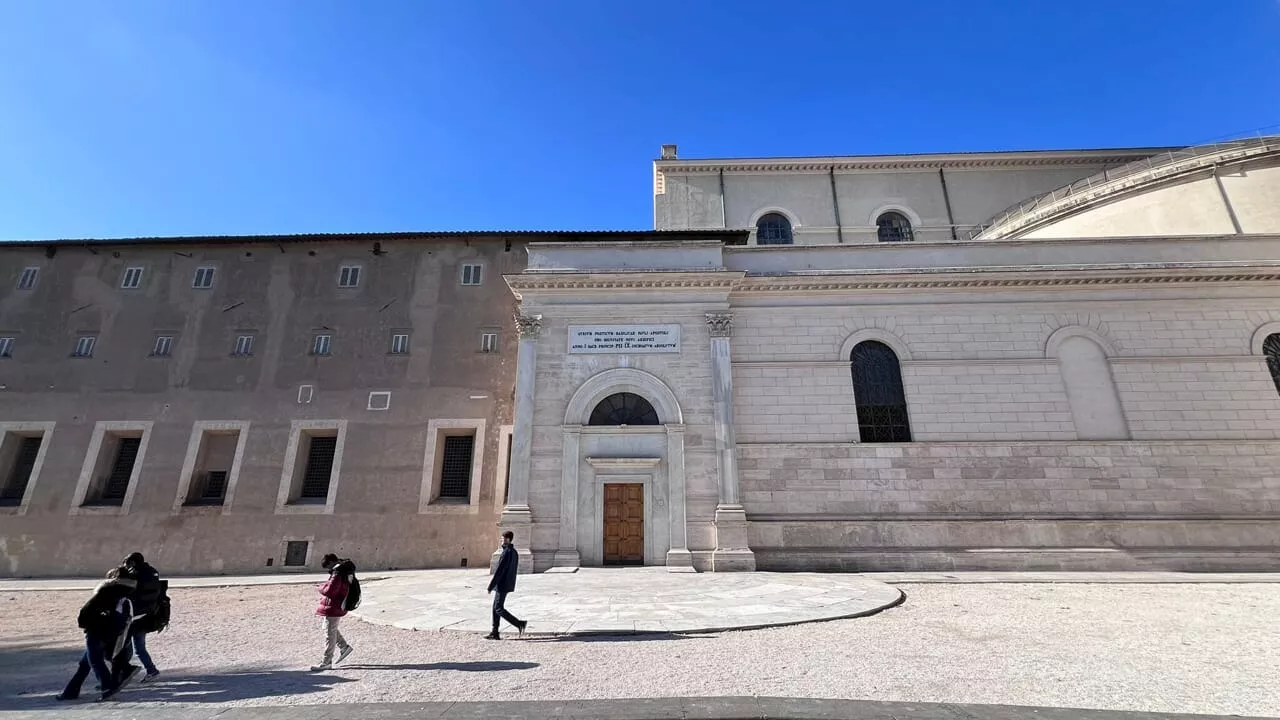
(489, 342)
(113, 484)
(471, 274)
(132, 278)
(6, 347)
(27, 280)
(163, 346)
(400, 344)
(295, 553)
(320, 345)
(349, 276)
(84, 346)
(244, 345)
(319, 467)
(211, 475)
(204, 278)
(455, 468)
(19, 453)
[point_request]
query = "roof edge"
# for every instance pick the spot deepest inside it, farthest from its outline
(558, 235)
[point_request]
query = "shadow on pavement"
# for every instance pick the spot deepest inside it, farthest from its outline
(620, 638)
(481, 666)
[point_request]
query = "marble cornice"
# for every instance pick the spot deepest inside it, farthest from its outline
(551, 282)
(931, 162)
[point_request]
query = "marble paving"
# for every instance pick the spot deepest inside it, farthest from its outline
(598, 601)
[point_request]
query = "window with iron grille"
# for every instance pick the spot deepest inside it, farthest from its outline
(132, 278)
(1271, 349)
(27, 280)
(320, 344)
(6, 347)
(163, 346)
(878, 393)
(15, 485)
(773, 229)
(84, 346)
(399, 343)
(349, 276)
(116, 484)
(623, 409)
(472, 274)
(244, 345)
(295, 553)
(315, 477)
(455, 467)
(203, 278)
(893, 227)
(214, 487)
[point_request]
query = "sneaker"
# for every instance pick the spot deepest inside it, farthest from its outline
(343, 655)
(109, 692)
(130, 673)
(322, 667)
(492, 636)
(150, 676)
(63, 697)
(521, 626)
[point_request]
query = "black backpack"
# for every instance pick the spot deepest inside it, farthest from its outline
(352, 600)
(160, 614)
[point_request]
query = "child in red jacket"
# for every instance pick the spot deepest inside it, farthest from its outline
(333, 595)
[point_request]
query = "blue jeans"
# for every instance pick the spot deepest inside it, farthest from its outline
(93, 658)
(140, 649)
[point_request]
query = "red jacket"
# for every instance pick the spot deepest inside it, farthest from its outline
(332, 594)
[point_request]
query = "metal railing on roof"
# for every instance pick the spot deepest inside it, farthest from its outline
(1027, 213)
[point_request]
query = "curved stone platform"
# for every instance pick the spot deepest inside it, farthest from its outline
(600, 601)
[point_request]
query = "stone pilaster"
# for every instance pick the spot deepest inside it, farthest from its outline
(732, 552)
(516, 515)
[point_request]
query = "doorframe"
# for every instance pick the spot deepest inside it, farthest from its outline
(598, 537)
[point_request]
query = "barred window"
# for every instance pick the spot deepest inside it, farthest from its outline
(315, 478)
(878, 393)
(1271, 349)
(28, 278)
(773, 229)
(24, 462)
(455, 467)
(624, 409)
(894, 227)
(203, 278)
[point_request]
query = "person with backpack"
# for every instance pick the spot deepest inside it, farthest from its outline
(150, 610)
(105, 620)
(339, 594)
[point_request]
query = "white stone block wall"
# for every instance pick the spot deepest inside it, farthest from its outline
(1204, 398)
(987, 401)
(797, 403)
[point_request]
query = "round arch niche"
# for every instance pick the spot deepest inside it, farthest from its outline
(623, 380)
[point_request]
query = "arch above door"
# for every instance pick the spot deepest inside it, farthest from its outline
(619, 380)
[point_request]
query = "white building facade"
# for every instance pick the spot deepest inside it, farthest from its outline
(1027, 360)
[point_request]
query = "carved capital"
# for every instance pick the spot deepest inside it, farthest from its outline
(720, 324)
(529, 326)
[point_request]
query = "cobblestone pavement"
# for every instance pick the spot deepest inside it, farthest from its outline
(1158, 648)
(598, 600)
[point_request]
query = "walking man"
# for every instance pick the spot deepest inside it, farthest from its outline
(105, 621)
(333, 606)
(503, 582)
(147, 611)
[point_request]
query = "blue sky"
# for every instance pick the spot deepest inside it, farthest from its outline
(236, 117)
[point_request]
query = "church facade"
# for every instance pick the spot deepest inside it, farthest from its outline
(1035, 360)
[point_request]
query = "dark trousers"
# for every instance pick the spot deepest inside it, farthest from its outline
(94, 658)
(500, 611)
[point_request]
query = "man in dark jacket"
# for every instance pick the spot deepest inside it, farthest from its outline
(146, 599)
(503, 582)
(105, 620)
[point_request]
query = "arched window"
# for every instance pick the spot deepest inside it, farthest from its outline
(1271, 349)
(877, 391)
(624, 409)
(893, 227)
(773, 229)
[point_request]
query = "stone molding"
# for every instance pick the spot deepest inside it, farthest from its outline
(901, 162)
(529, 326)
(720, 324)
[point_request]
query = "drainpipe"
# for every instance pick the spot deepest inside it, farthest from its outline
(946, 198)
(1226, 201)
(724, 214)
(835, 204)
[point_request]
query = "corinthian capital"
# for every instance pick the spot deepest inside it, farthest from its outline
(530, 326)
(720, 324)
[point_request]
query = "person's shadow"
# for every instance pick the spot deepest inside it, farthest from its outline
(481, 666)
(216, 687)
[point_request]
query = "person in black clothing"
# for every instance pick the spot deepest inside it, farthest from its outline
(503, 582)
(105, 620)
(145, 600)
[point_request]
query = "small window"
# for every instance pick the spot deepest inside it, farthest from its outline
(455, 468)
(28, 278)
(204, 278)
(295, 553)
(132, 278)
(6, 347)
(623, 409)
(244, 345)
(23, 449)
(379, 400)
(319, 468)
(489, 342)
(163, 346)
(349, 276)
(878, 393)
(400, 344)
(84, 346)
(472, 274)
(320, 344)
(773, 229)
(893, 227)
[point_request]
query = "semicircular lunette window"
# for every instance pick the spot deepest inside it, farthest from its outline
(773, 229)
(624, 409)
(1271, 349)
(894, 227)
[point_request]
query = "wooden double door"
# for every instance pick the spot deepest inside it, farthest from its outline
(624, 524)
